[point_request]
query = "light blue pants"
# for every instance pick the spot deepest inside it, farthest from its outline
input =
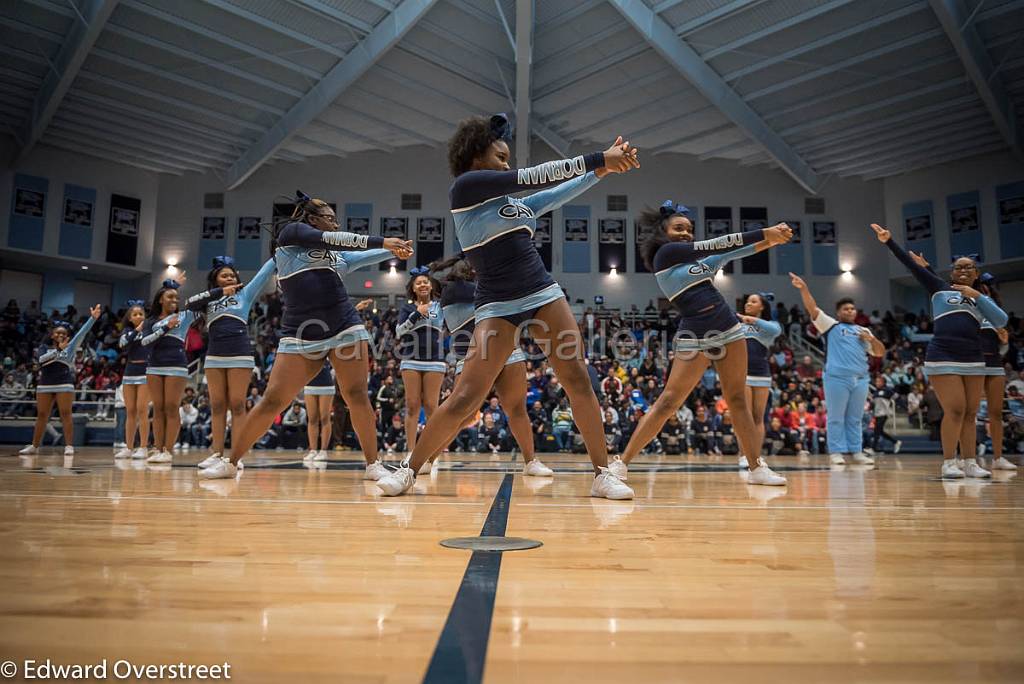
(844, 403)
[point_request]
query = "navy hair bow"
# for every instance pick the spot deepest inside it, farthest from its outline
(767, 296)
(670, 208)
(136, 302)
(301, 196)
(419, 270)
(62, 324)
(973, 257)
(171, 284)
(987, 278)
(221, 261)
(501, 129)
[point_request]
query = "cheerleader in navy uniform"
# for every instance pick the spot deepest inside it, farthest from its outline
(318, 396)
(56, 382)
(954, 361)
(457, 305)
(229, 355)
(994, 343)
(133, 382)
(496, 230)
(420, 338)
(760, 332)
(167, 372)
(709, 330)
(318, 322)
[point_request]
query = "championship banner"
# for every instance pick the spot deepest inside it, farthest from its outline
(965, 224)
(824, 251)
(28, 212)
(789, 258)
(576, 238)
(542, 238)
(212, 240)
(247, 243)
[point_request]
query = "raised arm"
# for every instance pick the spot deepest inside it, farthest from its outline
(304, 235)
(198, 302)
(548, 200)
(254, 287)
(350, 261)
(474, 187)
(922, 274)
(76, 341)
(676, 253)
(805, 295)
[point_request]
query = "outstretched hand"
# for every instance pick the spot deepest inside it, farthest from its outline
(884, 234)
(95, 311)
(779, 234)
(749, 320)
(400, 248)
(619, 158)
(796, 281)
(919, 259)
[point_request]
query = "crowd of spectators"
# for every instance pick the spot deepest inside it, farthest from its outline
(626, 360)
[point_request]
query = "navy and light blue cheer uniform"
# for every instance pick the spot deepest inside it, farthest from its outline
(496, 231)
(421, 338)
(227, 321)
(167, 344)
(136, 357)
(458, 309)
(322, 384)
(685, 271)
(955, 347)
(845, 381)
(992, 350)
(57, 366)
(760, 337)
(318, 314)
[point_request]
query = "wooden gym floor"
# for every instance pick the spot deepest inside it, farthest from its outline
(293, 574)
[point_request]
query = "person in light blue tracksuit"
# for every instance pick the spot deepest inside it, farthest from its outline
(847, 347)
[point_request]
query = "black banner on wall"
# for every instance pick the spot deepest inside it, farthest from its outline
(123, 235)
(429, 239)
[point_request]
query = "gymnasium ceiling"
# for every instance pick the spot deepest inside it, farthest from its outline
(818, 88)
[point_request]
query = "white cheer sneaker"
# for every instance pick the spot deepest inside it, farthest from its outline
(763, 475)
(608, 486)
(537, 469)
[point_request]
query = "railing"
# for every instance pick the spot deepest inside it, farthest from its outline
(97, 400)
(799, 344)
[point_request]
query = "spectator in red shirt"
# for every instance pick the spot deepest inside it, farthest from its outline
(805, 370)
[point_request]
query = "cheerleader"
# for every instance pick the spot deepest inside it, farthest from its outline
(133, 383)
(845, 380)
(496, 230)
(954, 361)
(56, 382)
(994, 343)
(457, 305)
(318, 396)
(167, 372)
(419, 333)
(318, 321)
(229, 361)
(760, 332)
(709, 330)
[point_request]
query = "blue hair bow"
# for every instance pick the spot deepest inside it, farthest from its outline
(301, 196)
(221, 261)
(171, 284)
(501, 129)
(987, 278)
(136, 302)
(767, 296)
(670, 208)
(419, 270)
(62, 324)
(975, 257)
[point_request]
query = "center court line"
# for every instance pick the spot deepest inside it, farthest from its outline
(229, 498)
(462, 648)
